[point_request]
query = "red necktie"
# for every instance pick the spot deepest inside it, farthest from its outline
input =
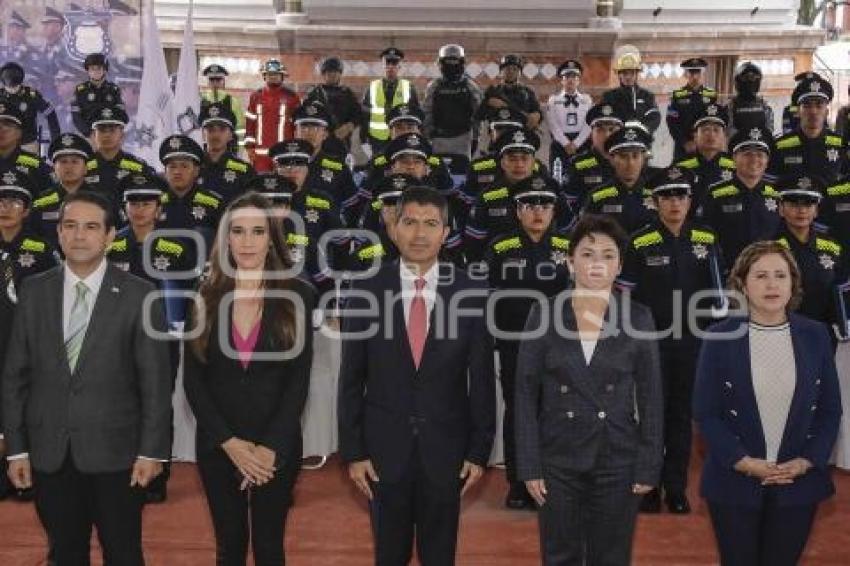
(417, 323)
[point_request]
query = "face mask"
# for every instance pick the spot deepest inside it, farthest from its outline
(451, 71)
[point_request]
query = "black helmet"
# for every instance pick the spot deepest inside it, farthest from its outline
(331, 64)
(452, 51)
(748, 79)
(11, 74)
(452, 61)
(96, 59)
(511, 59)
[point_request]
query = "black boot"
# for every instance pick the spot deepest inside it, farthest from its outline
(651, 502)
(518, 497)
(677, 502)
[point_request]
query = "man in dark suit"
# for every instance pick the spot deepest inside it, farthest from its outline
(86, 393)
(417, 392)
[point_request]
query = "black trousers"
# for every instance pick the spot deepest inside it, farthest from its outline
(678, 367)
(769, 536)
(588, 518)
(69, 503)
(415, 507)
(256, 514)
(508, 352)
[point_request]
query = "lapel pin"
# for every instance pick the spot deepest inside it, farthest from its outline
(115, 290)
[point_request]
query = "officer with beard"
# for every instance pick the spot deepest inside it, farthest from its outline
(451, 103)
(748, 110)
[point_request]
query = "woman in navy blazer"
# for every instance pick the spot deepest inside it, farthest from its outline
(766, 400)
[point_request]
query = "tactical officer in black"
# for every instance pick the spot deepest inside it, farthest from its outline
(532, 259)
(493, 213)
(743, 209)
(666, 264)
(625, 197)
(747, 109)
(686, 103)
(222, 172)
(709, 163)
(340, 101)
(592, 167)
(29, 102)
(511, 94)
(13, 156)
(823, 260)
(631, 101)
(94, 93)
(812, 149)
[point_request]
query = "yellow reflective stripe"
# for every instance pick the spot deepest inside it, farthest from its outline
(52, 198)
(725, 191)
(505, 245)
(496, 194)
(838, 190)
(119, 245)
(702, 237)
(827, 246)
(169, 247)
(316, 202)
(787, 143)
(31, 245)
(653, 237)
(201, 198)
(297, 239)
(560, 243)
(607, 192)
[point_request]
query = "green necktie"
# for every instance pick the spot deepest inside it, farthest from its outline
(77, 324)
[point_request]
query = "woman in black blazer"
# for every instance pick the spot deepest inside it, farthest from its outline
(589, 408)
(246, 378)
(766, 399)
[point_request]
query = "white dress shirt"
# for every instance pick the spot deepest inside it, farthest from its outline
(408, 289)
(563, 120)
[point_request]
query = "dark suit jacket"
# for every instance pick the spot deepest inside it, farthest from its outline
(727, 413)
(115, 406)
(447, 406)
(568, 413)
(263, 403)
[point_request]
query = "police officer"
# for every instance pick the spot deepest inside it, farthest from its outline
(451, 104)
(328, 173)
(30, 104)
(743, 209)
(510, 93)
(494, 213)
(812, 149)
(382, 95)
(339, 100)
(822, 260)
(215, 94)
(13, 156)
(110, 163)
(686, 103)
(566, 114)
(94, 93)
(747, 109)
(834, 211)
(222, 172)
(709, 163)
(532, 258)
(69, 154)
(630, 101)
(791, 113)
(626, 197)
(666, 264)
(592, 167)
(315, 213)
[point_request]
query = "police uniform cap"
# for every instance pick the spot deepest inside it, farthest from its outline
(291, 152)
(52, 15)
(14, 184)
(274, 187)
(217, 113)
(570, 67)
(812, 87)
(140, 187)
(16, 70)
(70, 144)
(694, 64)
(95, 59)
(748, 67)
(106, 115)
(804, 189)
(405, 113)
(807, 75)
(179, 146)
(17, 20)
(505, 118)
(274, 66)
(602, 114)
(392, 54)
(215, 71)
(11, 113)
(755, 138)
(330, 64)
(312, 113)
(534, 190)
(629, 137)
(408, 144)
(713, 112)
(521, 140)
(511, 59)
(391, 186)
(671, 181)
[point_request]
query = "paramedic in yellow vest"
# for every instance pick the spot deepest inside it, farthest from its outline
(216, 75)
(381, 96)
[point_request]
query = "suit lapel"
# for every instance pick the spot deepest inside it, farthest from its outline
(53, 303)
(436, 320)
(105, 304)
(579, 371)
(399, 328)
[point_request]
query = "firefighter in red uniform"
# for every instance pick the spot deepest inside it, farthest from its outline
(268, 119)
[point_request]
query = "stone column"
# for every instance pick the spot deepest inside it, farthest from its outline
(290, 12)
(606, 15)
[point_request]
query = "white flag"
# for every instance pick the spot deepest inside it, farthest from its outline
(155, 118)
(187, 94)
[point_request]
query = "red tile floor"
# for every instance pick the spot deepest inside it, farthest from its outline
(329, 526)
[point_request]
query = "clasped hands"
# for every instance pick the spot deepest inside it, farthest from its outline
(254, 461)
(771, 473)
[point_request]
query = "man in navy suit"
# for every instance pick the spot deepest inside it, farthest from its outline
(417, 401)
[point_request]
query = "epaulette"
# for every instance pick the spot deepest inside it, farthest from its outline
(560, 243)
(485, 164)
(434, 160)
(168, 247)
(505, 245)
(380, 161)
(371, 252)
(602, 194)
(31, 245)
(234, 165)
(91, 164)
(702, 237)
(496, 194)
(118, 245)
(681, 92)
(828, 246)
(690, 163)
(28, 161)
(834, 141)
(297, 239)
(377, 204)
(331, 164)
(789, 141)
(725, 191)
(318, 202)
(46, 200)
(838, 190)
(769, 191)
(726, 163)
(206, 200)
(130, 165)
(650, 239)
(81, 87)
(586, 163)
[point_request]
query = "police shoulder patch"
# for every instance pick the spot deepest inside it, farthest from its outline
(130, 165)
(46, 200)
(726, 163)
(169, 247)
(702, 236)
(371, 252)
(834, 141)
(828, 246)
(380, 161)
(586, 163)
(118, 245)
(206, 199)
(434, 160)
(328, 163)
(649, 239)
(725, 191)
(560, 243)
(484, 165)
(297, 239)
(788, 141)
(496, 194)
(507, 244)
(604, 193)
(769, 191)
(318, 202)
(28, 161)
(31, 245)
(689, 163)
(237, 166)
(838, 190)
(91, 164)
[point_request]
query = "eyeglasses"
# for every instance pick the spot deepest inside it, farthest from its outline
(535, 206)
(11, 202)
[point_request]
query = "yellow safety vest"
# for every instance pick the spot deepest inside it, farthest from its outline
(378, 128)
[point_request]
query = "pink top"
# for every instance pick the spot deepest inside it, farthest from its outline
(245, 346)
